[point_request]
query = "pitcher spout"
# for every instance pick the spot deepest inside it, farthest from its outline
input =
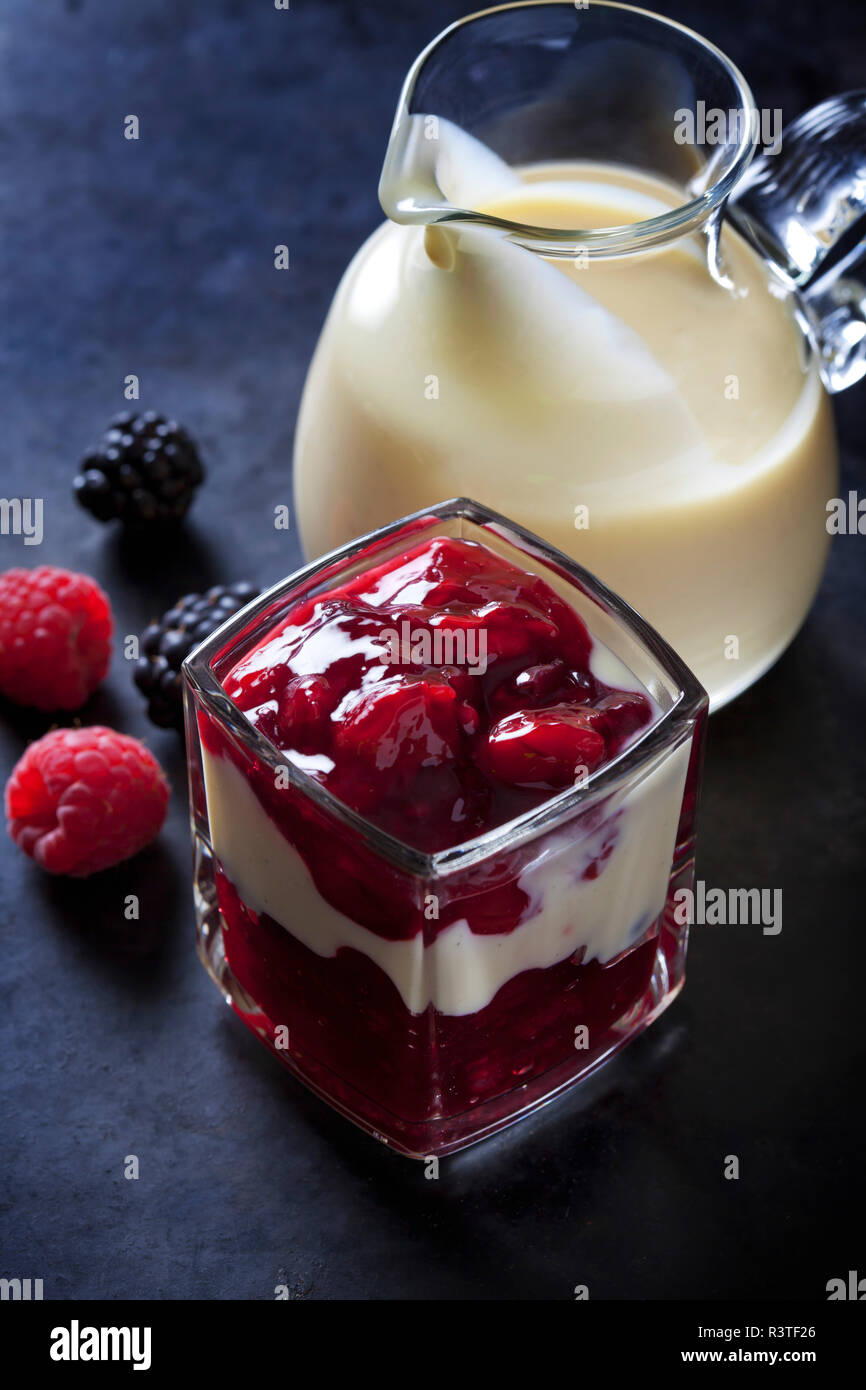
(436, 172)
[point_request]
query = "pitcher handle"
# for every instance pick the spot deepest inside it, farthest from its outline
(801, 207)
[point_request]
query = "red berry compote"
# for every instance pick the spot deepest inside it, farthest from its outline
(443, 789)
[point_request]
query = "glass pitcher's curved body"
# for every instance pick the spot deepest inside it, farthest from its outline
(640, 391)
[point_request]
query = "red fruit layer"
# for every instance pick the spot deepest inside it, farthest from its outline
(343, 1013)
(436, 752)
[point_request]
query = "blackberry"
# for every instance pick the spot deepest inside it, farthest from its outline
(146, 469)
(165, 645)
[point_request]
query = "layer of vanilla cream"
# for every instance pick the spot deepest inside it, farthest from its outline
(460, 972)
(678, 412)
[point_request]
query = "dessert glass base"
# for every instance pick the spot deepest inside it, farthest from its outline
(658, 976)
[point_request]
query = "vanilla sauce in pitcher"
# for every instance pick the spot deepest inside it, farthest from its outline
(660, 427)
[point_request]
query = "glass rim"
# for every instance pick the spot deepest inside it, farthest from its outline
(555, 241)
(665, 733)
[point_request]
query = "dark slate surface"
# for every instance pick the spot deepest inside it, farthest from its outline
(261, 127)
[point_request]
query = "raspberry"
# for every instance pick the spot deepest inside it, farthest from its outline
(80, 800)
(55, 637)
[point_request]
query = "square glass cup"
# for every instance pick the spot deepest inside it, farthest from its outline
(350, 954)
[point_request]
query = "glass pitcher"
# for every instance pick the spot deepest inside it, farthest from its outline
(589, 312)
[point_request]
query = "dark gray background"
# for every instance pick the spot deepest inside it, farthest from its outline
(260, 127)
